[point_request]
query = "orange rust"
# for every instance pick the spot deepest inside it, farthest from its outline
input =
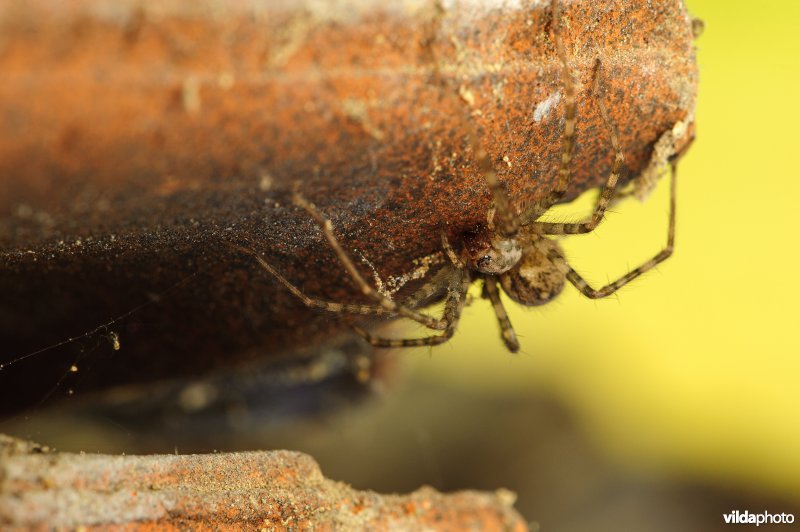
(134, 138)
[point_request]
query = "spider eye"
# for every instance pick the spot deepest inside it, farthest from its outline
(484, 261)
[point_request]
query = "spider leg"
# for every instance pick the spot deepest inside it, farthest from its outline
(451, 254)
(568, 138)
(433, 287)
(390, 306)
(440, 280)
(456, 296)
(610, 288)
(506, 329)
(311, 302)
(508, 223)
(611, 183)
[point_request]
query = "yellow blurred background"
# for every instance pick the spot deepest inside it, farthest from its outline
(694, 369)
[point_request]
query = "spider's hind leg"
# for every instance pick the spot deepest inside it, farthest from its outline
(581, 284)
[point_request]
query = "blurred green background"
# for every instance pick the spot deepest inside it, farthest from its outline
(658, 409)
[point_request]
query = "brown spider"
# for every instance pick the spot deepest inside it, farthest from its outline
(513, 249)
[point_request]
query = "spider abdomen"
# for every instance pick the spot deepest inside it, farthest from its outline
(535, 280)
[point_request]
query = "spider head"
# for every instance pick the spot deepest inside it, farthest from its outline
(491, 253)
(535, 279)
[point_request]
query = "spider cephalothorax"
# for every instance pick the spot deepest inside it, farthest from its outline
(490, 253)
(513, 249)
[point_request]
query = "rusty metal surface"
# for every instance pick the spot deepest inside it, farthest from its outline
(135, 138)
(41, 489)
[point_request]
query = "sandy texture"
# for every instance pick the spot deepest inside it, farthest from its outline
(275, 490)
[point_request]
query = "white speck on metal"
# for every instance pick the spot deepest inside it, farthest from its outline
(543, 108)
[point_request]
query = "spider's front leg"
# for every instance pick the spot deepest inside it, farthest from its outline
(570, 121)
(390, 306)
(456, 297)
(312, 302)
(609, 188)
(506, 329)
(456, 278)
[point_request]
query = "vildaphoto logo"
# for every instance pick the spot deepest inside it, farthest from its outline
(765, 518)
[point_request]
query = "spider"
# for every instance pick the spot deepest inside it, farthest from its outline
(513, 249)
